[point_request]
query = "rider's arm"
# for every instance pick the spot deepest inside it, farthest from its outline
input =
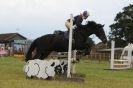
(78, 21)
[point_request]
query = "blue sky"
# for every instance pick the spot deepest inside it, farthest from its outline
(34, 18)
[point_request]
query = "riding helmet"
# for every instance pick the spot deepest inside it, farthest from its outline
(86, 14)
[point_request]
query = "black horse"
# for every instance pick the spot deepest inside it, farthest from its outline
(44, 45)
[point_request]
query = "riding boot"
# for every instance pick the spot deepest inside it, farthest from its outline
(73, 41)
(66, 34)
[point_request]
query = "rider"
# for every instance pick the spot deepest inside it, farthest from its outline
(77, 20)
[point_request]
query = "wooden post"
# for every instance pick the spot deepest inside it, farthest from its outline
(129, 55)
(112, 55)
(70, 47)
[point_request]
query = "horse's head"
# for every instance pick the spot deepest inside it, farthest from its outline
(97, 29)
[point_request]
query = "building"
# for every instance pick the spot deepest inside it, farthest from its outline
(14, 42)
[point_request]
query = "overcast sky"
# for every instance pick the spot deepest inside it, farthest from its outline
(34, 18)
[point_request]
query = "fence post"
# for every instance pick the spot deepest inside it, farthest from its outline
(70, 47)
(112, 54)
(129, 55)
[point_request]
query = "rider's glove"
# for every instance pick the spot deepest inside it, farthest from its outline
(74, 27)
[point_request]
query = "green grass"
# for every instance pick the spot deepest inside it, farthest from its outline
(12, 76)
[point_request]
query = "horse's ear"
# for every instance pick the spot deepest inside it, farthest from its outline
(103, 25)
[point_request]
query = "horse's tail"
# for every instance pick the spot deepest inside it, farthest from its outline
(30, 50)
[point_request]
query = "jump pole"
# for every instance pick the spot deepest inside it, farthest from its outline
(70, 47)
(129, 55)
(112, 54)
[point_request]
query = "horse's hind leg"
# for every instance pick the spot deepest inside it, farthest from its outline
(41, 56)
(45, 54)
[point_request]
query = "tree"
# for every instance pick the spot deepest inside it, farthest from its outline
(122, 29)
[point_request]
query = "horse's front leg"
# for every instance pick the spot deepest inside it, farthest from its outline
(80, 46)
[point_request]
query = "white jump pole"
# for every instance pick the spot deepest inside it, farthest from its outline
(70, 47)
(129, 55)
(112, 55)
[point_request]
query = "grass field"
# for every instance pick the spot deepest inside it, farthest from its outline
(12, 76)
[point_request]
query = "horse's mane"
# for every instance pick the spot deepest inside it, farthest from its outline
(93, 24)
(88, 25)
